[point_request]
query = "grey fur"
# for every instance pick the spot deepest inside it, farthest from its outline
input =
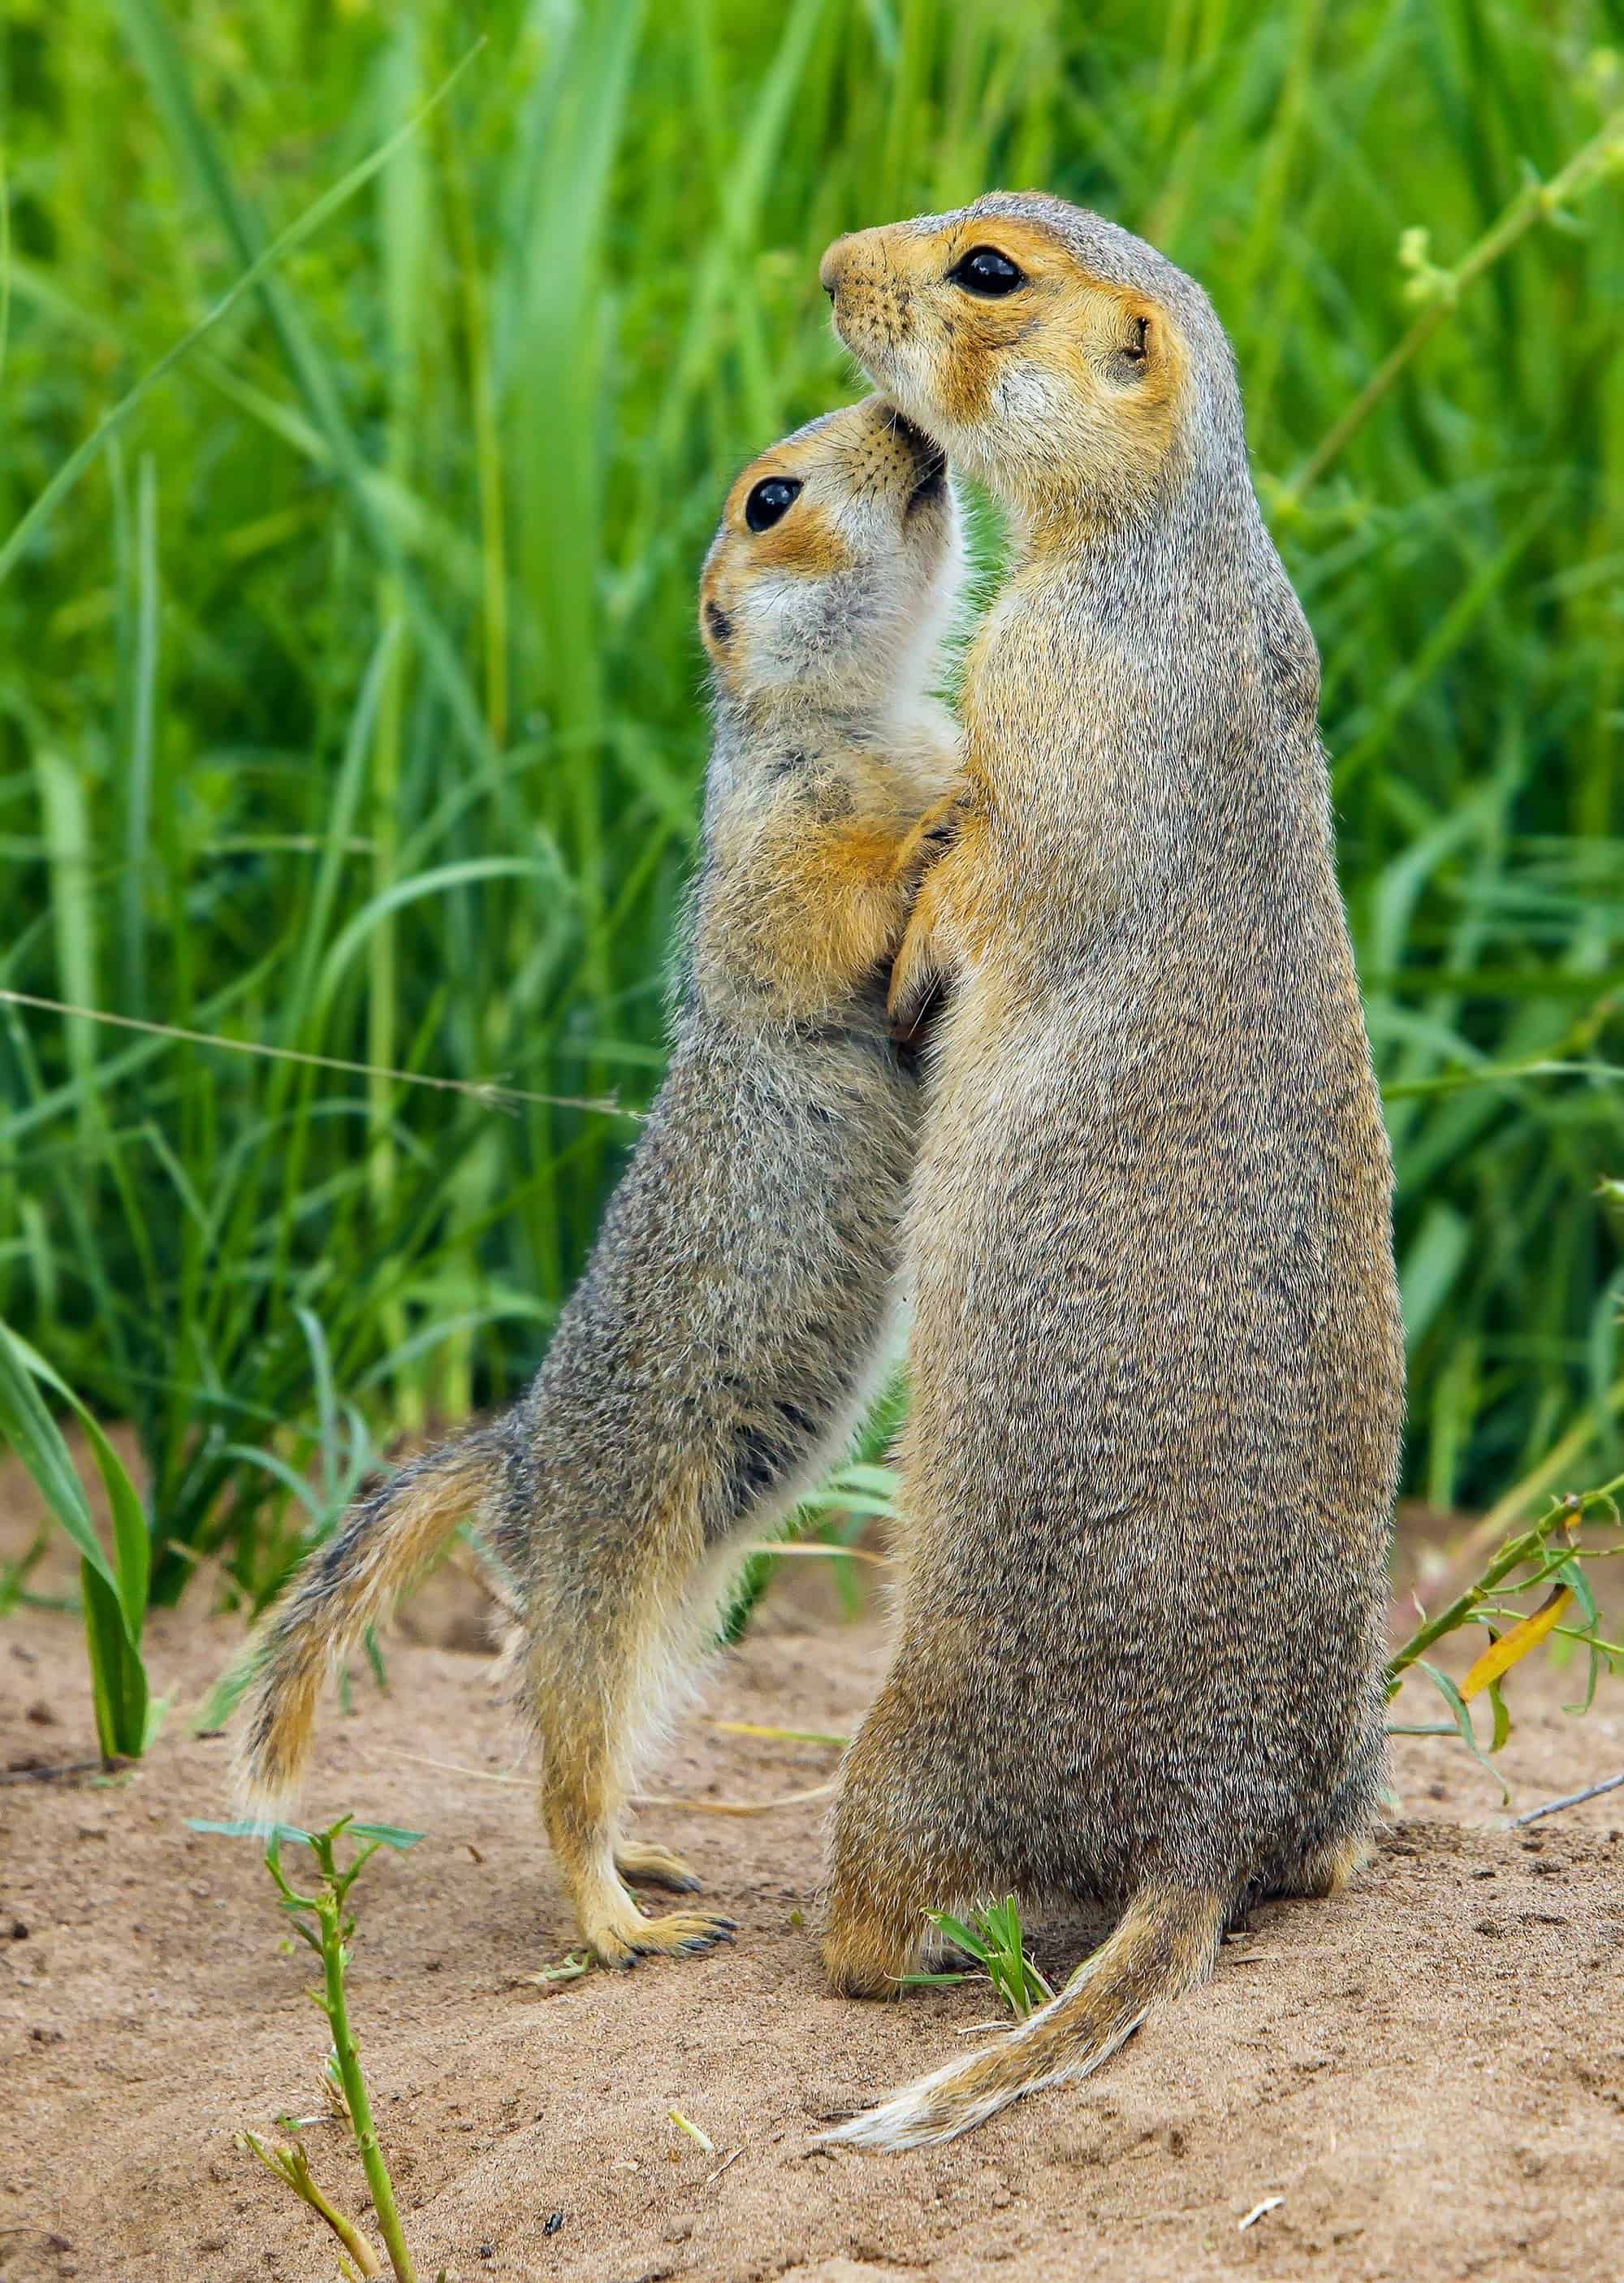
(737, 1308)
(1157, 1356)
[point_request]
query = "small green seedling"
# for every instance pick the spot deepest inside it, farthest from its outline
(1543, 1563)
(995, 1938)
(288, 2161)
(325, 1922)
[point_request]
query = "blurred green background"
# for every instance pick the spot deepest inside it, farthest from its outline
(352, 699)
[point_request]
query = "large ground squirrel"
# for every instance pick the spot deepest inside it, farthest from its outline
(735, 1314)
(1157, 1366)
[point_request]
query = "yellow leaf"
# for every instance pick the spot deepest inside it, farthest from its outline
(1511, 1647)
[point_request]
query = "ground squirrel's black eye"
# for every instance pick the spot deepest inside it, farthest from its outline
(986, 271)
(772, 497)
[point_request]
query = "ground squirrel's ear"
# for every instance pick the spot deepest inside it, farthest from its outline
(1140, 347)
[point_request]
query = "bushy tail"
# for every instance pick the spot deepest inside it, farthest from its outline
(347, 1585)
(1166, 1944)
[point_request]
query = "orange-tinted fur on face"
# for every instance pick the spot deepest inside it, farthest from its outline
(1069, 331)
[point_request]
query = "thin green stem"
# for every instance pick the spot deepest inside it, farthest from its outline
(1534, 202)
(330, 1938)
(489, 1091)
(335, 2005)
(290, 2163)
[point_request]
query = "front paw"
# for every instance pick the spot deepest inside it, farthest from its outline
(916, 977)
(930, 839)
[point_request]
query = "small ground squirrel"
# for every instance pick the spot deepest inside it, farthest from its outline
(1157, 1367)
(738, 1306)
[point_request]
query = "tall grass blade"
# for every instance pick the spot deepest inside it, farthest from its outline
(114, 1593)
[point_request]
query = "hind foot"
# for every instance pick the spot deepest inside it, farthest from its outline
(657, 1866)
(1325, 1871)
(681, 1934)
(888, 1864)
(866, 1955)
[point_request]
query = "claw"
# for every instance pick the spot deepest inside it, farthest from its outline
(680, 1934)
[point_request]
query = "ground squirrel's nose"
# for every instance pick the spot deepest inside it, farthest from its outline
(831, 268)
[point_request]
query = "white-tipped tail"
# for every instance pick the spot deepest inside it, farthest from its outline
(347, 1585)
(1166, 1944)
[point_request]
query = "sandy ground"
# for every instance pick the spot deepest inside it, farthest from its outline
(1426, 2080)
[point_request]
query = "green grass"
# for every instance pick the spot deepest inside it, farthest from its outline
(350, 704)
(995, 1939)
(113, 1592)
